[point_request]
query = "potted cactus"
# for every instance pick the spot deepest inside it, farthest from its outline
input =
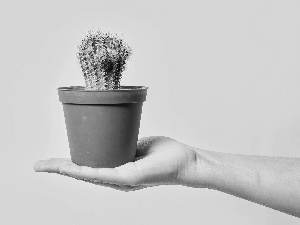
(102, 118)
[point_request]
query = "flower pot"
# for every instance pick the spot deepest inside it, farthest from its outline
(102, 126)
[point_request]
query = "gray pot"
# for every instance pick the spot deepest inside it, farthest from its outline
(102, 126)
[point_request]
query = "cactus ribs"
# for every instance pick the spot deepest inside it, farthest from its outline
(102, 58)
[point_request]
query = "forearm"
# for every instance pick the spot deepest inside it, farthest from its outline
(273, 182)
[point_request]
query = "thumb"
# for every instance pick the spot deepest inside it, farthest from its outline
(145, 145)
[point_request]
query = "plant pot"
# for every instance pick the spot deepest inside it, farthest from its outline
(102, 126)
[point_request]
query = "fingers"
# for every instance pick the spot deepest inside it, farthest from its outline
(123, 175)
(126, 174)
(51, 165)
(68, 168)
(105, 175)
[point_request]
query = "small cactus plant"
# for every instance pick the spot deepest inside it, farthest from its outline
(102, 57)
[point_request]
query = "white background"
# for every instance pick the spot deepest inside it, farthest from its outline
(222, 75)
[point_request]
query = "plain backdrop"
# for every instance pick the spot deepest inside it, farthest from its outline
(222, 75)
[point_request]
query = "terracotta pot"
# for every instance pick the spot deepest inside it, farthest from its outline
(102, 126)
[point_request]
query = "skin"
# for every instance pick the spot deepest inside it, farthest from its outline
(272, 182)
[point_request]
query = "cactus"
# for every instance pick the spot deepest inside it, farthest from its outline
(102, 57)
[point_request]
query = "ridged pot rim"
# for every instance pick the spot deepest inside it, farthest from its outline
(122, 88)
(78, 95)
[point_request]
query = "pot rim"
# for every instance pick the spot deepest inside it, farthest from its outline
(78, 95)
(82, 89)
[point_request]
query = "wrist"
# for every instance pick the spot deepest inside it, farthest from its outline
(201, 170)
(229, 173)
(207, 167)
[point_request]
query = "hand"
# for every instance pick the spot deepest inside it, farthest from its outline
(159, 161)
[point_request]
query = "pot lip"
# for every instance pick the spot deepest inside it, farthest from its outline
(78, 95)
(82, 89)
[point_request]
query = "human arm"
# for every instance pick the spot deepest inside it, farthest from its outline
(270, 181)
(273, 182)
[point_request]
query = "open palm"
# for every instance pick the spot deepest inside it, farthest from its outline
(159, 160)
